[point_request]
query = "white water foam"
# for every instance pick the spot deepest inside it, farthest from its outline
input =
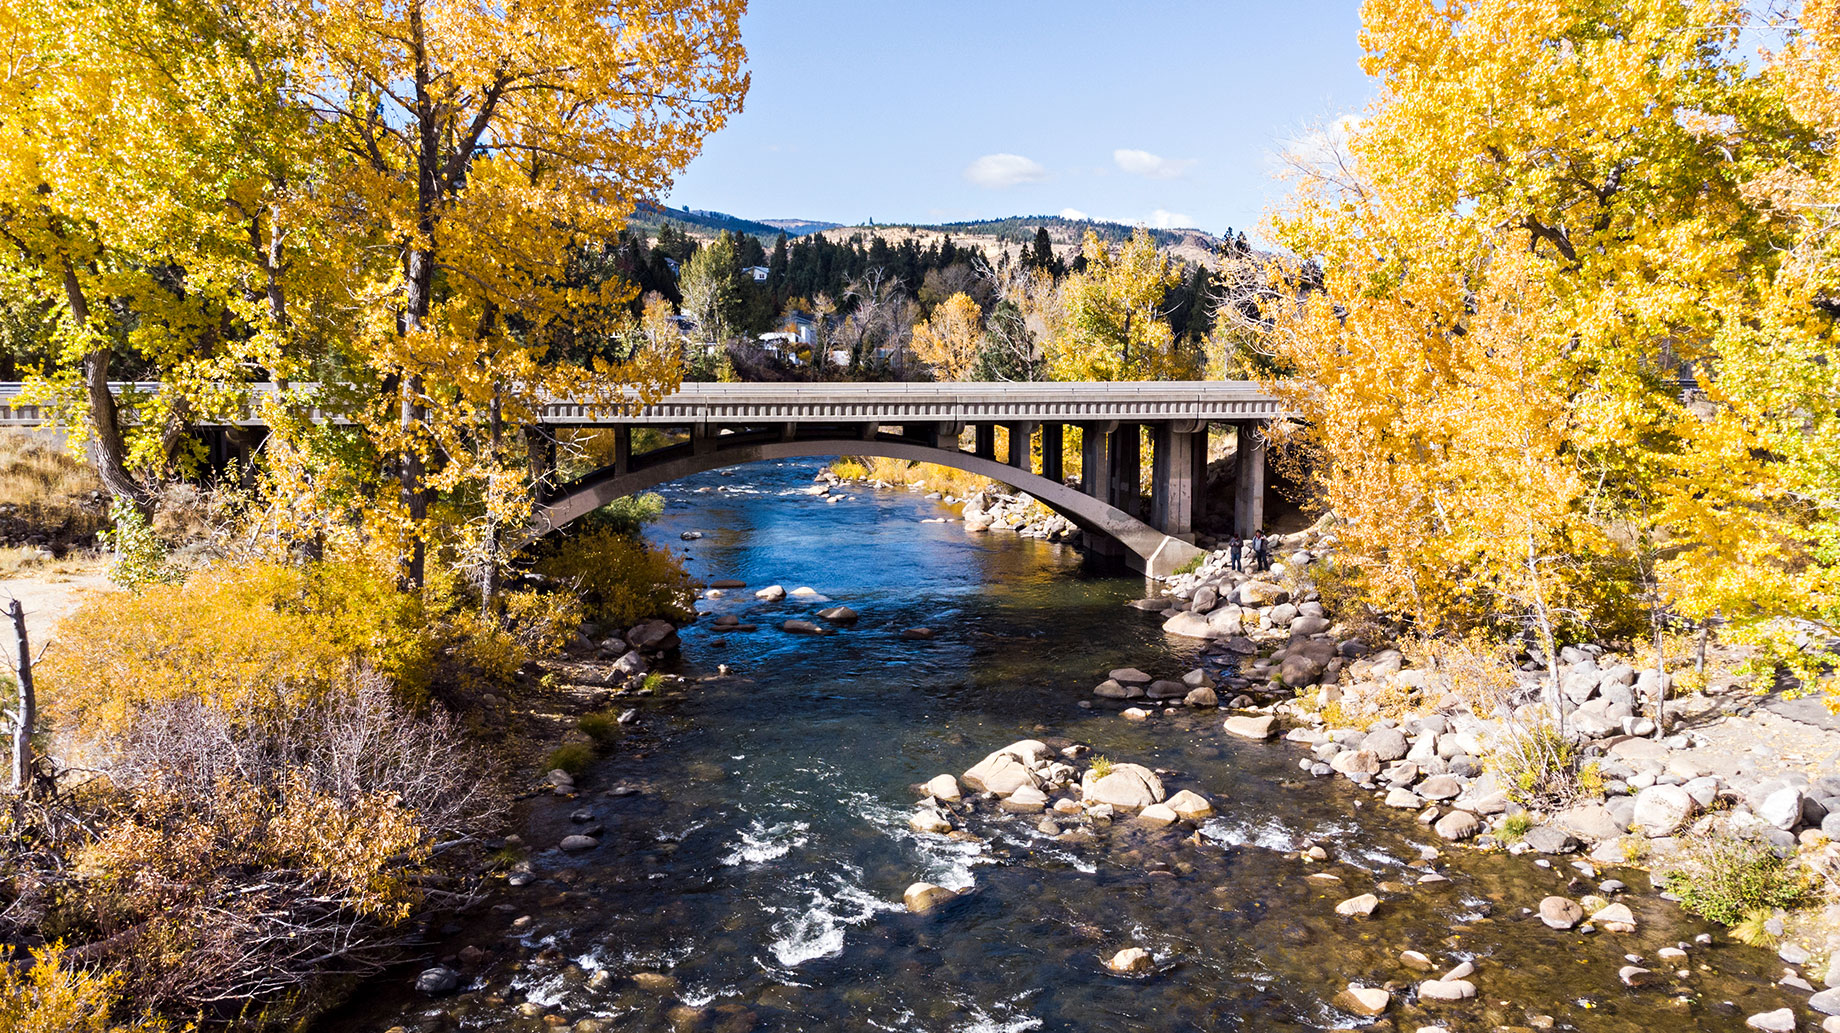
(942, 862)
(761, 842)
(817, 930)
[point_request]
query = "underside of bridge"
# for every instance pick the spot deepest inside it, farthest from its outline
(1107, 505)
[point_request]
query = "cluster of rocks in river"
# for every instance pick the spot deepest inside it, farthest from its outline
(1434, 758)
(1048, 778)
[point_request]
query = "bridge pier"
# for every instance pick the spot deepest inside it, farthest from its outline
(1127, 469)
(1173, 484)
(984, 441)
(1248, 479)
(1051, 444)
(1021, 435)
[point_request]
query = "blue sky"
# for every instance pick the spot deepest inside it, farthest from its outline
(1160, 112)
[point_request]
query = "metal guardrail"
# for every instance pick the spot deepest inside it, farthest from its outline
(703, 403)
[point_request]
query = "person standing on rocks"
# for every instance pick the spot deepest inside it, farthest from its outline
(1261, 550)
(1233, 552)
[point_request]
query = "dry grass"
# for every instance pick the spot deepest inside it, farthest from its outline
(902, 473)
(46, 492)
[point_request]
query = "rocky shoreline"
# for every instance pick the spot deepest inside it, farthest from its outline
(1419, 743)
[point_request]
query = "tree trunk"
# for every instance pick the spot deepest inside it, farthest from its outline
(108, 453)
(488, 581)
(26, 717)
(1655, 625)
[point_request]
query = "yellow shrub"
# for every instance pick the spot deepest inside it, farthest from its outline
(621, 580)
(54, 997)
(247, 639)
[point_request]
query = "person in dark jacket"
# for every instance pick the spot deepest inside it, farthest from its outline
(1261, 550)
(1233, 551)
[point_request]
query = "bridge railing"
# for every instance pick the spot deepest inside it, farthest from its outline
(894, 403)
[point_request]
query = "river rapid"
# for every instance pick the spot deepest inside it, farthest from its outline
(756, 840)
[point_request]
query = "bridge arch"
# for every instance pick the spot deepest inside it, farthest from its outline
(1147, 548)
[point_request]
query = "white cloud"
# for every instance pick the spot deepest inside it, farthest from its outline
(996, 171)
(1153, 166)
(1162, 219)
(1075, 214)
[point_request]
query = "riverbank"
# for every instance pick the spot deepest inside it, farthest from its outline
(1463, 745)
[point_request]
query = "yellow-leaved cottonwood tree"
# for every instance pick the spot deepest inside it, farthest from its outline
(1113, 326)
(415, 176)
(1592, 169)
(949, 340)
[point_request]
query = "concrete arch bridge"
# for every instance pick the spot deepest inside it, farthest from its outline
(731, 424)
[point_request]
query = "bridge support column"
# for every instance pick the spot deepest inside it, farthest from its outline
(1021, 436)
(1051, 439)
(1127, 469)
(703, 439)
(1248, 480)
(622, 451)
(985, 446)
(1172, 480)
(1096, 480)
(1198, 510)
(941, 435)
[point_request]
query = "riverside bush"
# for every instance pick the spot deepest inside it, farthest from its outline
(1727, 879)
(263, 638)
(1540, 767)
(620, 579)
(54, 996)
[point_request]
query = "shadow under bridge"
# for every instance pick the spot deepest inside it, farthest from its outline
(733, 424)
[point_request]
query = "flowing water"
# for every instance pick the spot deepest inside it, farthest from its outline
(754, 880)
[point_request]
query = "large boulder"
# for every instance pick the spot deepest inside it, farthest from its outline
(1388, 744)
(652, 636)
(1228, 620)
(1305, 626)
(1660, 810)
(1163, 688)
(1189, 624)
(1261, 593)
(1126, 787)
(1250, 726)
(1782, 808)
(1304, 662)
(1110, 689)
(1009, 769)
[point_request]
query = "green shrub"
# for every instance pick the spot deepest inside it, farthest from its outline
(1515, 827)
(1101, 767)
(620, 579)
(1727, 879)
(601, 726)
(1541, 768)
(574, 758)
(1192, 565)
(140, 555)
(628, 514)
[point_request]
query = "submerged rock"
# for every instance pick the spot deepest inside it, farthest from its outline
(922, 897)
(1131, 961)
(1363, 1000)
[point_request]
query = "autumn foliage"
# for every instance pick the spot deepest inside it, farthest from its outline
(1554, 216)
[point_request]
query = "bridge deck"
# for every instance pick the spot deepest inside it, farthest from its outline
(701, 403)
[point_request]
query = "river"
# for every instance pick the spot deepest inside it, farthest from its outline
(754, 879)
